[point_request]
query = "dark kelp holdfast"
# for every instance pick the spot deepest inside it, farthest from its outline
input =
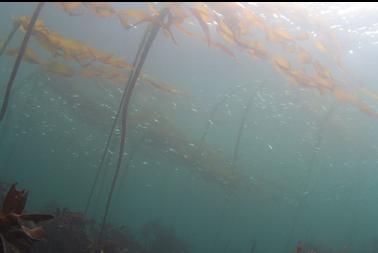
(18, 231)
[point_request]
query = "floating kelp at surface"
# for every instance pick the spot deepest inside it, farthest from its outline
(235, 24)
(62, 69)
(255, 28)
(231, 26)
(313, 72)
(86, 57)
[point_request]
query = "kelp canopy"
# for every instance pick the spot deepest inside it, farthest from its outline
(291, 40)
(294, 42)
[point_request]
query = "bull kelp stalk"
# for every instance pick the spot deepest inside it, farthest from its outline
(20, 55)
(211, 118)
(110, 135)
(241, 129)
(214, 111)
(9, 37)
(221, 224)
(314, 158)
(253, 247)
(150, 35)
(103, 157)
(111, 132)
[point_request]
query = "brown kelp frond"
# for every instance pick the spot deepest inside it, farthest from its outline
(30, 55)
(14, 201)
(92, 63)
(72, 8)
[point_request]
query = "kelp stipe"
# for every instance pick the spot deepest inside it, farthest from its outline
(17, 63)
(241, 128)
(253, 247)
(102, 161)
(140, 58)
(9, 38)
(312, 164)
(214, 111)
(110, 135)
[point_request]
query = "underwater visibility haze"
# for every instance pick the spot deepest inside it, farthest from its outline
(188, 127)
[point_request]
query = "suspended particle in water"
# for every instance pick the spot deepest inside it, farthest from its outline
(172, 150)
(252, 179)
